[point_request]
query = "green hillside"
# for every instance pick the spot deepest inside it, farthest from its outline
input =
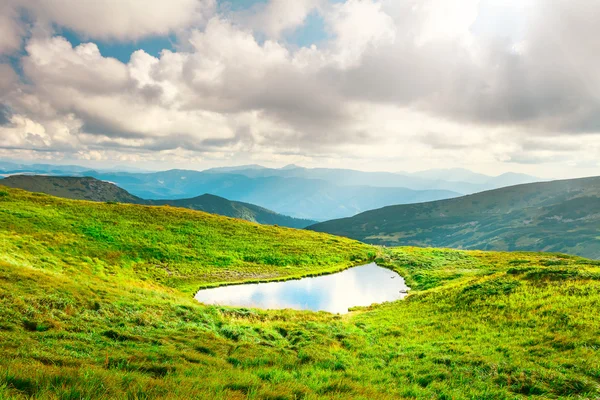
(75, 188)
(96, 190)
(235, 209)
(96, 302)
(560, 216)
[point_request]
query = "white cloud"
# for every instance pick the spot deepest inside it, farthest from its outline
(358, 25)
(11, 30)
(276, 17)
(8, 79)
(122, 19)
(53, 63)
(400, 81)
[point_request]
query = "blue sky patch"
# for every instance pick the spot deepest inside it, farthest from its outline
(122, 50)
(312, 32)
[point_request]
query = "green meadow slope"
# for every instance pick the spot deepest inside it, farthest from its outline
(96, 302)
(559, 216)
(96, 190)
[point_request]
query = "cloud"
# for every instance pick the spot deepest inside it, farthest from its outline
(9, 81)
(395, 77)
(11, 30)
(543, 82)
(53, 63)
(122, 19)
(275, 17)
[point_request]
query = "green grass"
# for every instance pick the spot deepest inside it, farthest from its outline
(96, 302)
(174, 247)
(559, 216)
(86, 188)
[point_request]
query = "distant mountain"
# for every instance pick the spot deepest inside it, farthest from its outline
(456, 180)
(218, 205)
(8, 168)
(305, 198)
(511, 179)
(558, 216)
(306, 193)
(71, 188)
(452, 175)
(96, 190)
(235, 168)
(290, 167)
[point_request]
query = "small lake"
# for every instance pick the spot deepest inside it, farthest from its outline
(335, 293)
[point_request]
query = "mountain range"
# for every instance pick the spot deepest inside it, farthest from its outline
(307, 193)
(557, 216)
(304, 198)
(458, 180)
(86, 188)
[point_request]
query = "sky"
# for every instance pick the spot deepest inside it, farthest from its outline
(389, 85)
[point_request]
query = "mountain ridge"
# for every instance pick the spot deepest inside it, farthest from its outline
(92, 189)
(307, 193)
(557, 216)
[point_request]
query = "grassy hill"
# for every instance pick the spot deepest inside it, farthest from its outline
(96, 302)
(71, 188)
(235, 209)
(559, 216)
(96, 190)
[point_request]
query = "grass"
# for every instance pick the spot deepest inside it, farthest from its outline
(558, 216)
(96, 302)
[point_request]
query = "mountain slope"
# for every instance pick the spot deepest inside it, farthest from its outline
(306, 193)
(560, 216)
(299, 197)
(71, 188)
(218, 205)
(96, 303)
(96, 190)
(192, 245)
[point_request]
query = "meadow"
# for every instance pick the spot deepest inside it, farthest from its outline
(96, 301)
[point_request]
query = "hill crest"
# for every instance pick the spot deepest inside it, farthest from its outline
(558, 216)
(93, 189)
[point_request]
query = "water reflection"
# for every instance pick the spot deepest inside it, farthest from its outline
(358, 286)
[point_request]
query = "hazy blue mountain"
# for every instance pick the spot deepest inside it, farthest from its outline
(7, 165)
(86, 188)
(314, 199)
(456, 180)
(308, 193)
(235, 168)
(511, 179)
(8, 168)
(452, 175)
(558, 216)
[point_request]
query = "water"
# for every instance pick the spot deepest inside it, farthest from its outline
(335, 293)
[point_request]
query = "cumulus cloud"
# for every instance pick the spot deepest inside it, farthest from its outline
(122, 19)
(11, 30)
(396, 77)
(275, 17)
